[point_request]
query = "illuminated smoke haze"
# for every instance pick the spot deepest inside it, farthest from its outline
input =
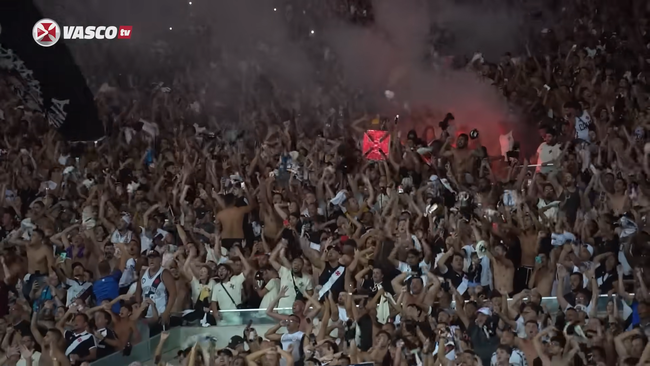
(388, 55)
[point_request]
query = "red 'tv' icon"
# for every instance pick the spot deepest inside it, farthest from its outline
(124, 32)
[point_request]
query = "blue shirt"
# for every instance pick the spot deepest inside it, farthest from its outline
(108, 288)
(636, 319)
(45, 295)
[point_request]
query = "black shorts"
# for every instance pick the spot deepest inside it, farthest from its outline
(522, 276)
(228, 243)
(124, 290)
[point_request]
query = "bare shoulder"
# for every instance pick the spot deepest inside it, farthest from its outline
(167, 276)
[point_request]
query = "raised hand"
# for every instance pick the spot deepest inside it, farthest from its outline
(164, 335)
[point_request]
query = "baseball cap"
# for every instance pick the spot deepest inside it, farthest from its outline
(235, 341)
(153, 253)
(225, 351)
(484, 311)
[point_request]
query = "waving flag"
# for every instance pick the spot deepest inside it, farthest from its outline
(375, 143)
(46, 77)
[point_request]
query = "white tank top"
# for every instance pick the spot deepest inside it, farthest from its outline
(153, 287)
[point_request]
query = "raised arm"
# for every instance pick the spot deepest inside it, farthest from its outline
(270, 310)
(442, 267)
(392, 257)
(272, 334)
(620, 288)
(187, 267)
(170, 285)
(539, 347)
(247, 267)
(643, 290)
(159, 348)
(35, 332)
(619, 340)
(595, 291)
(273, 259)
(398, 281)
(561, 275)
(311, 255)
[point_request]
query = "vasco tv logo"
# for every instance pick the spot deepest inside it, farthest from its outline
(47, 32)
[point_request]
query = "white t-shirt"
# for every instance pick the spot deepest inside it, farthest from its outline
(517, 358)
(287, 280)
(273, 288)
(128, 275)
(146, 243)
(552, 212)
(233, 288)
(424, 267)
(201, 291)
(35, 358)
(117, 237)
(546, 154)
(75, 289)
(582, 126)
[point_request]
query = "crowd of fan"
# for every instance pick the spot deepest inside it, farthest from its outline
(402, 261)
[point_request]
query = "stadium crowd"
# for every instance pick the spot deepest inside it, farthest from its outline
(435, 253)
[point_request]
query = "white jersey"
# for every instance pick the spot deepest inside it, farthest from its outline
(153, 287)
(292, 339)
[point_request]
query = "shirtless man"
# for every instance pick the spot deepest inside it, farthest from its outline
(503, 268)
(232, 221)
(182, 289)
(46, 358)
(461, 157)
(543, 275)
(299, 308)
(414, 292)
(529, 239)
(526, 344)
(554, 355)
(38, 215)
(40, 258)
(124, 324)
(379, 349)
